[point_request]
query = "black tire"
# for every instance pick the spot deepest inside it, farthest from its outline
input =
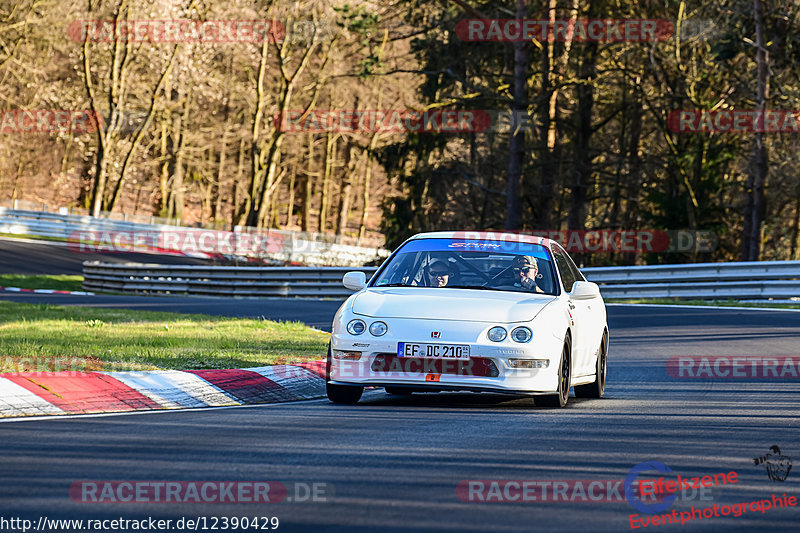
(598, 387)
(344, 394)
(398, 391)
(561, 398)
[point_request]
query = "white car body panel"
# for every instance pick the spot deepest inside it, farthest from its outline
(425, 303)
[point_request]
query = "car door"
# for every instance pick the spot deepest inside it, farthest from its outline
(577, 310)
(592, 321)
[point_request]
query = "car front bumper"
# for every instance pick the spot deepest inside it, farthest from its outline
(488, 368)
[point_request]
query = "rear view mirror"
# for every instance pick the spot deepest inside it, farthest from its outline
(355, 281)
(585, 290)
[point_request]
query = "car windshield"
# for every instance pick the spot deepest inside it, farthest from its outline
(471, 264)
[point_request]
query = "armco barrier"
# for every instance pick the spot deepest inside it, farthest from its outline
(740, 281)
(282, 247)
(309, 282)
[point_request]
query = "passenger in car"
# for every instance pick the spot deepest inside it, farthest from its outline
(526, 269)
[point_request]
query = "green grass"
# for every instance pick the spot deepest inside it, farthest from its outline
(57, 282)
(723, 303)
(33, 237)
(45, 337)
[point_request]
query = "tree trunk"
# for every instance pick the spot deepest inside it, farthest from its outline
(177, 190)
(795, 234)
(345, 190)
(582, 171)
(755, 201)
(140, 134)
(239, 204)
(330, 155)
(290, 207)
(163, 210)
(305, 223)
(373, 142)
(516, 145)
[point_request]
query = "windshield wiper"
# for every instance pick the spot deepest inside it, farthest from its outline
(392, 285)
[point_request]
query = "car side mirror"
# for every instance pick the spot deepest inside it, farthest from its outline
(585, 290)
(355, 281)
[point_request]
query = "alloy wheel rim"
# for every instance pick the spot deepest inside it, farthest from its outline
(564, 375)
(603, 368)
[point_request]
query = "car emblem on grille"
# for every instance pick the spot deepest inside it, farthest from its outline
(436, 334)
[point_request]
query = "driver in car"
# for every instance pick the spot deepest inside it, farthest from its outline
(438, 273)
(526, 269)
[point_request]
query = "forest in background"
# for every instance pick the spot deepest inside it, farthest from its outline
(192, 129)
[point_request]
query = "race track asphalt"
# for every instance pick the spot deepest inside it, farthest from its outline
(393, 464)
(21, 256)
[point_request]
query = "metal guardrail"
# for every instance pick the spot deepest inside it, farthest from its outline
(89, 234)
(704, 281)
(757, 280)
(307, 282)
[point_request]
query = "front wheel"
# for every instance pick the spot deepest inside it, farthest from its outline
(598, 387)
(560, 398)
(345, 394)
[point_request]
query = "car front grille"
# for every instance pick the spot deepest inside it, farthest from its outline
(476, 366)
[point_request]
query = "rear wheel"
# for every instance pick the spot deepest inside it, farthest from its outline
(345, 394)
(596, 389)
(564, 373)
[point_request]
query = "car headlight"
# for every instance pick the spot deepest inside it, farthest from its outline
(497, 334)
(378, 328)
(356, 327)
(521, 334)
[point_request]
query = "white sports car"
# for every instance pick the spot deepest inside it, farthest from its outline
(482, 312)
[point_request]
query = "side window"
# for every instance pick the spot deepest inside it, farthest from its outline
(564, 269)
(575, 271)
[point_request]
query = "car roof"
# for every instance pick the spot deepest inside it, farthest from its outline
(484, 236)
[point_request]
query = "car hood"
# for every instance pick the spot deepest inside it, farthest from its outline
(450, 304)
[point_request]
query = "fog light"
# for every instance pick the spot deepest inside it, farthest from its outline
(497, 334)
(348, 356)
(528, 363)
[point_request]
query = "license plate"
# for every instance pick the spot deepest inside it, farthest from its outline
(438, 351)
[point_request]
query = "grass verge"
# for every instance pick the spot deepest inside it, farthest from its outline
(33, 237)
(48, 337)
(60, 282)
(722, 303)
